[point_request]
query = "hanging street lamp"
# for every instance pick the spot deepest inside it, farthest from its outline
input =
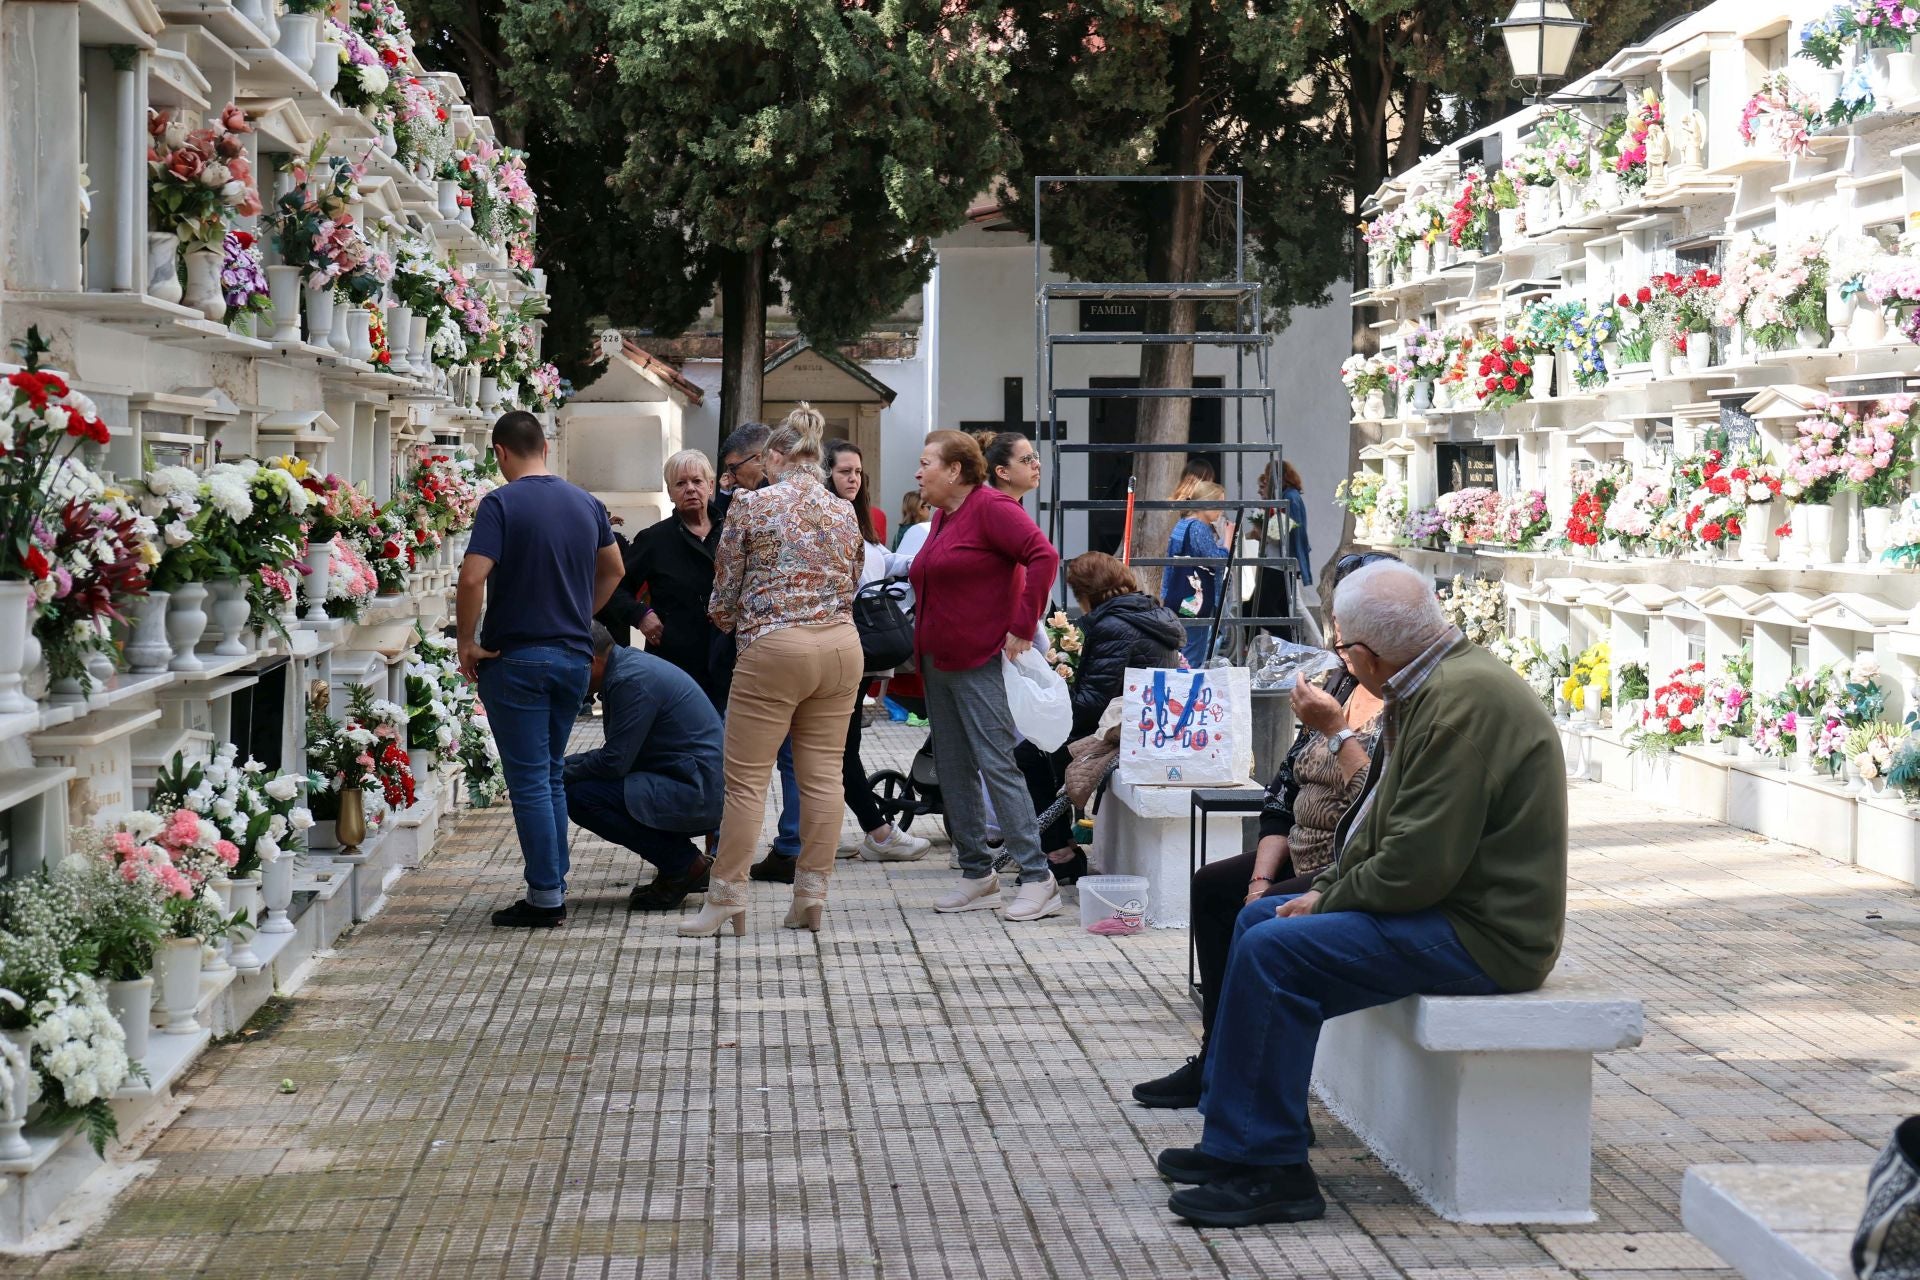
(1540, 36)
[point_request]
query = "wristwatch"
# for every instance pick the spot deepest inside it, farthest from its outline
(1338, 741)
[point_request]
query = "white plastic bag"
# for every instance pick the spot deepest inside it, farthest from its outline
(1038, 698)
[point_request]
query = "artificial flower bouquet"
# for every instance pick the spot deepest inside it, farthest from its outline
(261, 816)
(1588, 687)
(1470, 217)
(1683, 305)
(199, 180)
(1505, 375)
(1472, 515)
(1478, 606)
(1628, 138)
(1781, 116)
(1063, 644)
(1359, 493)
(1675, 715)
(99, 549)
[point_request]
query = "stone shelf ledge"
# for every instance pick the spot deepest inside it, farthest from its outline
(167, 1060)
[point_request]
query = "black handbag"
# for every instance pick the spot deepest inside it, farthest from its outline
(884, 619)
(1886, 1246)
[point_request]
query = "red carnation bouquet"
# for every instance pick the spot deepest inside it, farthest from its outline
(1506, 374)
(1593, 493)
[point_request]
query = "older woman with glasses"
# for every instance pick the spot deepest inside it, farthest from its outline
(1326, 771)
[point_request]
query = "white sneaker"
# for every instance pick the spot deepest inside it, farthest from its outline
(972, 895)
(1034, 901)
(904, 847)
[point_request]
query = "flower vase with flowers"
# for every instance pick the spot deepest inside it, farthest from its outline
(1681, 313)
(1625, 140)
(100, 548)
(199, 180)
(1505, 374)
(1675, 715)
(243, 281)
(1470, 216)
(1780, 116)
(1478, 607)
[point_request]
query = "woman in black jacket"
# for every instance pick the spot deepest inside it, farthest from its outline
(672, 561)
(1119, 627)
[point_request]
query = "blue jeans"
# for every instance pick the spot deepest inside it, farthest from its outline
(599, 805)
(532, 696)
(1285, 978)
(786, 840)
(1195, 648)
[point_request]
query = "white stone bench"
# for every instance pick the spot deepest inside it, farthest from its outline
(1777, 1221)
(1482, 1105)
(1143, 831)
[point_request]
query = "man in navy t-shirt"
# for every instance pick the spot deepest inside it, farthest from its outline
(542, 560)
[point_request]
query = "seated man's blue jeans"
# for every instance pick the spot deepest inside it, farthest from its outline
(600, 806)
(1285, 978)
(532, 696)
(786, 840)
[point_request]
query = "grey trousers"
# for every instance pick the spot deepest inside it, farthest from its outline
(973, 733)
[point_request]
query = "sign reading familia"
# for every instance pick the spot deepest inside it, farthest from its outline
(1112, 317)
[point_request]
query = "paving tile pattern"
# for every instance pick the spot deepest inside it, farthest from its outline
(915, 1095)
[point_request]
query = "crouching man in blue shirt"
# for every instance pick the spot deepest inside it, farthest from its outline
(657, 782)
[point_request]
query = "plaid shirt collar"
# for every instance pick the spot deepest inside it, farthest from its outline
(1405, 682)
(1401, 685)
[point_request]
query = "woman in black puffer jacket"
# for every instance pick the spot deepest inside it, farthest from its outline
(1120, 627)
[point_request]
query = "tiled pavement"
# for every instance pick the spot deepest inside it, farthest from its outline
(909, 1094)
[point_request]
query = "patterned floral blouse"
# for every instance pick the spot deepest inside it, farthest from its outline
(1322, 798)
(788, 557)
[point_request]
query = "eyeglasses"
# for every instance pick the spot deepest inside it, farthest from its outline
(1341, 649)
(733, 467)
(1031, 459)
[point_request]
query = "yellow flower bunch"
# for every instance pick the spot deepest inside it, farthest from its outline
(1592, 676)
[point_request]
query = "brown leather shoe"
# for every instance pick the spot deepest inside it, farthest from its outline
(665, 893)
(773, 869)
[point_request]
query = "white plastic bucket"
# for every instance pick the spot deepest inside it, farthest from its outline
(1113, 905)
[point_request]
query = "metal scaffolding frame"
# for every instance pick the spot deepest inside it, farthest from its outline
(1247, 339)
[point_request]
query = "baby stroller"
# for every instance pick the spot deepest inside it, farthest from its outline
(914, 794)
(902, 797)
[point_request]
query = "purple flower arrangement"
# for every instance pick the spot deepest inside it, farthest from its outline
(1425, 524)
(243, 278)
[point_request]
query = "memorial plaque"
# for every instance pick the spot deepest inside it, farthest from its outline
(1737, 429)
(1466, 466)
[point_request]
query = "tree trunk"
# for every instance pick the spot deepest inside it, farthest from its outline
(1173, 256)
(743, 335)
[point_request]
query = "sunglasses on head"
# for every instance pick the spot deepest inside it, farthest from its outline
(1356, 559)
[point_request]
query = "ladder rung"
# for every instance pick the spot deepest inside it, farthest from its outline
(1213, 290)
(1162, 504)
(1068, 446)
(1205, 562)
(1161, 393)
(1161, 339)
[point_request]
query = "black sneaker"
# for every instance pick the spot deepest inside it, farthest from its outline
(1176, 1090)
(1251, 1196)
(664, 893)
(521, 915)
(1194, 1167)
(774, 869)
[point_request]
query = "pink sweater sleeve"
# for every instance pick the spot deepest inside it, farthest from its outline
(1008, 530)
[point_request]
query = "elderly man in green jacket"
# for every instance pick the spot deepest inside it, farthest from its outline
(1451, 879)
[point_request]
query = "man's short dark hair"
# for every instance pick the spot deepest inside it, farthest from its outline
(602, 639)
(520, 434)
(743, 440)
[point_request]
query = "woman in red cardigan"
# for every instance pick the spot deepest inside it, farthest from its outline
(967, 614)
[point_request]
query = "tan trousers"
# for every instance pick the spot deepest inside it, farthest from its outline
(799, 680)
